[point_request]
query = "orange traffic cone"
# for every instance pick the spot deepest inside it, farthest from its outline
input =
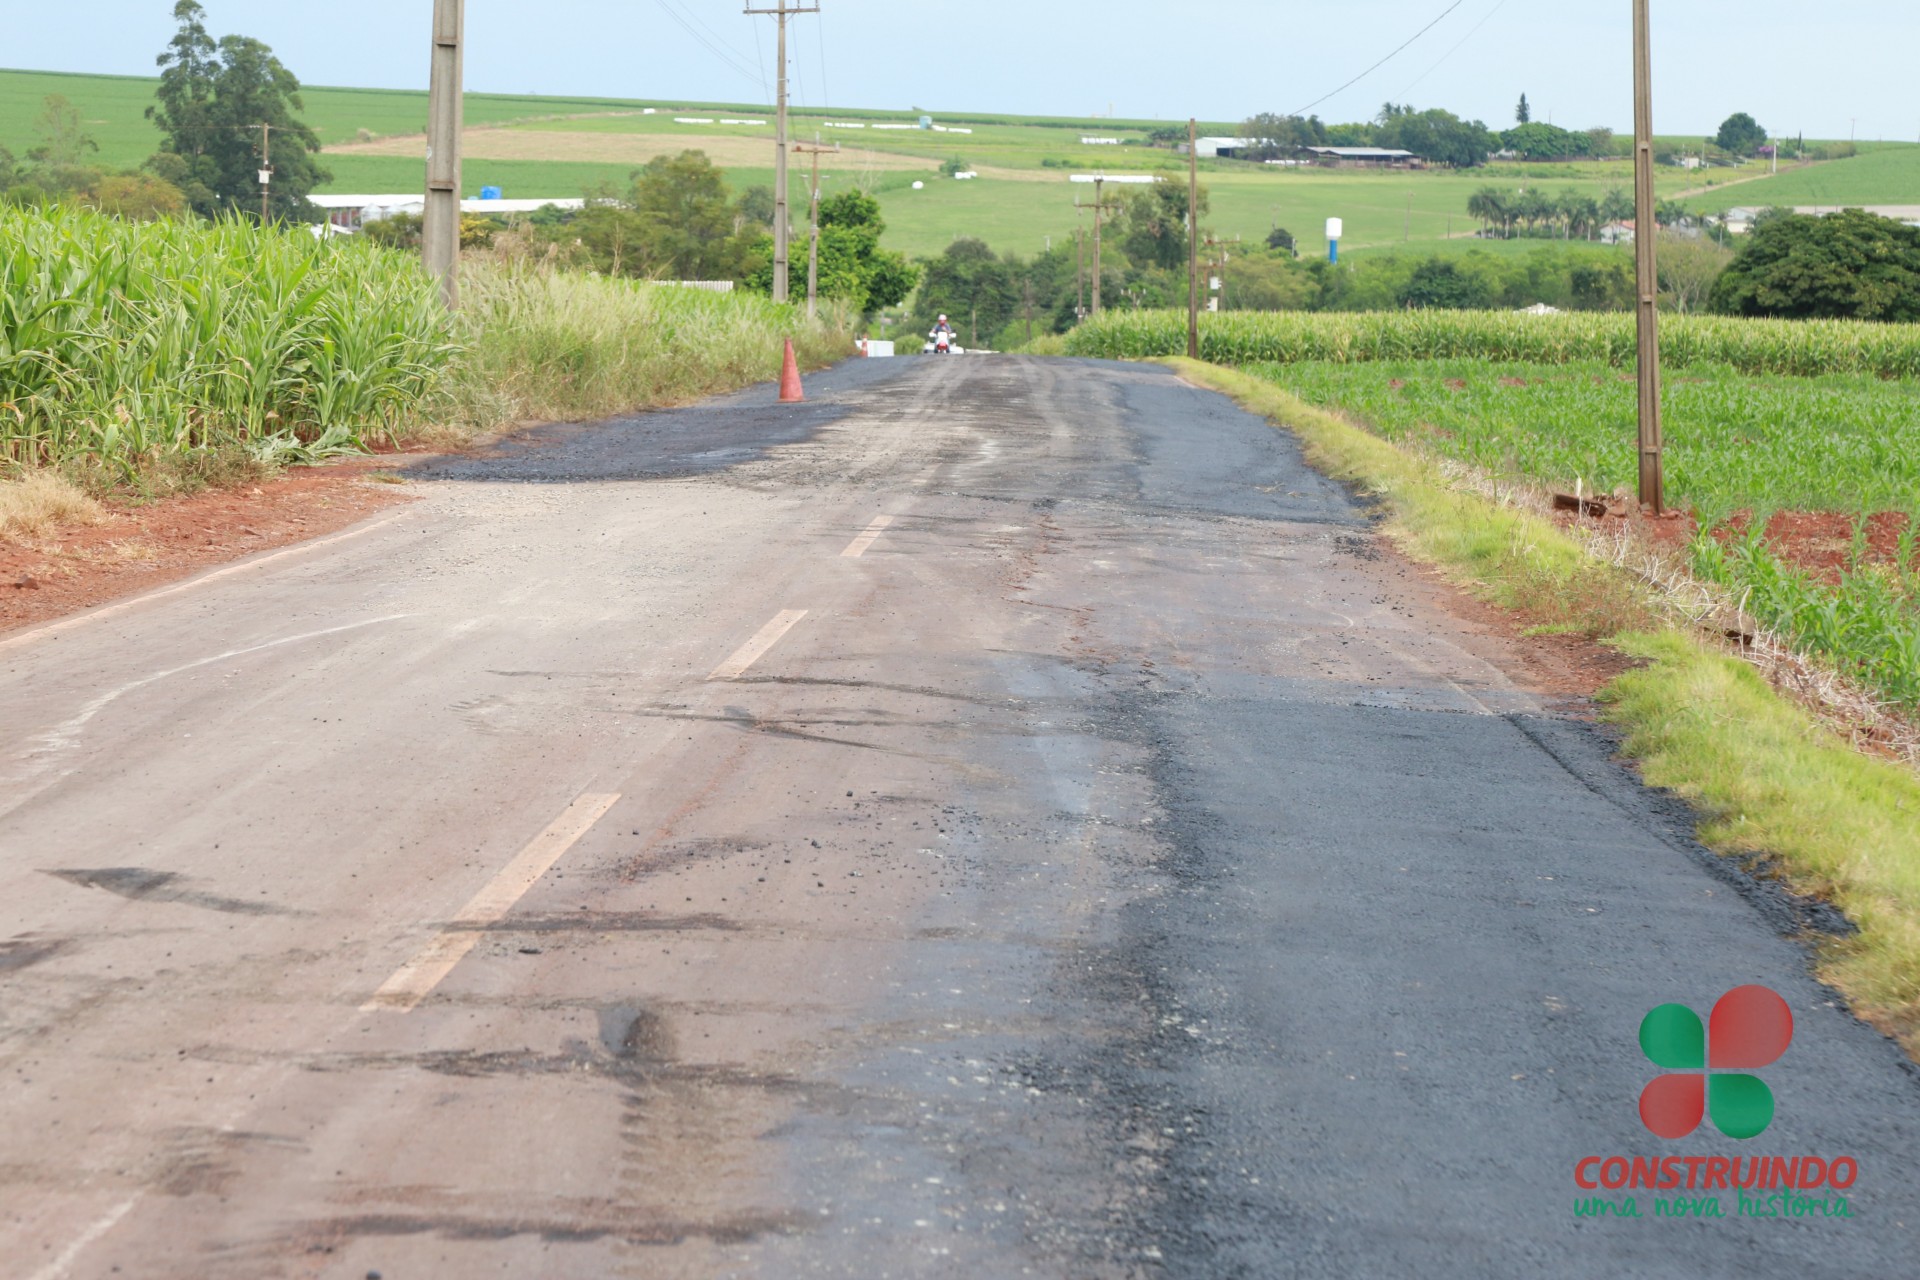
(790, 389)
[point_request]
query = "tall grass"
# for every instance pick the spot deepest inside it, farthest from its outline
(1796, 348)
(538, 343)
(124, 345)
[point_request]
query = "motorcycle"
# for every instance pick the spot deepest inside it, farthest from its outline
(941, 343)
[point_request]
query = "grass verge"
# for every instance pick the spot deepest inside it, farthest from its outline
(1769, 781)
(37, 501)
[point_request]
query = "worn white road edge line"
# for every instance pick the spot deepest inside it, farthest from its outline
(200, 580)
(860, 545)
(420, 975)
(755, 649)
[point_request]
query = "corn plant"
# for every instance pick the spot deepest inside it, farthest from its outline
(1787, 347)
(120, 340)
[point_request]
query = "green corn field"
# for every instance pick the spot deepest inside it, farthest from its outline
(1740, 448)
(1786, 347)
(1736, 442)
(125, 342)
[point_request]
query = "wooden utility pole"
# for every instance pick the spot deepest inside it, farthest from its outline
(266, 170)
(1645, 242)
(1193, 239)
(813, 249)
(1079, 273)
(1099, 207)
(440, 228)
(782, 226)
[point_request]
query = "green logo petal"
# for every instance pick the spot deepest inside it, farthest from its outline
(1674, 1038)
(1742, 1106)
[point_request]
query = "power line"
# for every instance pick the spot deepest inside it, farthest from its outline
(819, 31)
(1444, 58)
(711, 46)
(760, 60)
(1383, 62)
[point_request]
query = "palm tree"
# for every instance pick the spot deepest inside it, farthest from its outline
(1489, 205)
(1533, 208)
(1616, 205)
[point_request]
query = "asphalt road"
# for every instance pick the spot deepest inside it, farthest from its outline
(1002, 818)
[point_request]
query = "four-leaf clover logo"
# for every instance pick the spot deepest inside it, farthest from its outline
(1749, 1029)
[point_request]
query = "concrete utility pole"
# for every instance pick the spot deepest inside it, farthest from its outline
(440, 228)
(813, 250)
(266, 169)
(1193, 239)
(782, 227)
(1645, 241)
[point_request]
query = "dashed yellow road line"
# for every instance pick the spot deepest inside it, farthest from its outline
(420, 975)
(861, 544)
(755, 649)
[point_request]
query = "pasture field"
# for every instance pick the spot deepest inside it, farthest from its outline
(1884, 175)
(535, 147)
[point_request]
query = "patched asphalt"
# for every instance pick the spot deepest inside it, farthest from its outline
(1125, 866)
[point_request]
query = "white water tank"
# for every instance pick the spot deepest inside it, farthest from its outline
(1336, 229)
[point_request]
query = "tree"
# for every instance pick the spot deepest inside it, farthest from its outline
(1546, 142)
(64, 143)
(1275, 137)
(1581, 213)
(1602, 286)
(1281, 240)
(140, 197)
(687, 229)
(1599, 142)
(1524, 114)
(1270, 282)
(1617, 205)
(1741, 135)
(971, 285)
(853, 266)
(1689, 267)
(1489, 206)
(1152, 232)
(1848, 266)
(755, 209)
(1438, 284)
(851, 224)
(1439, 137)
(212, 101)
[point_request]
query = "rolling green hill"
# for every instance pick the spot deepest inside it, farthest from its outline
(1883, 176)
(536, 147)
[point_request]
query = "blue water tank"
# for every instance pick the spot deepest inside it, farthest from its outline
(490, 193)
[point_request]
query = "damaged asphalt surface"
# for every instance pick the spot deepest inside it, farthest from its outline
(1122, 866)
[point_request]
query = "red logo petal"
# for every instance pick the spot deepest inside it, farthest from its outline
(1673, 1106)
(1750, 1028)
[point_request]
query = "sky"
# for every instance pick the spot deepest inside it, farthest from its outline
(1822, 72)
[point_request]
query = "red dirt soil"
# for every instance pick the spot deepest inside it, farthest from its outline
(138, 548)
(1820, 542)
